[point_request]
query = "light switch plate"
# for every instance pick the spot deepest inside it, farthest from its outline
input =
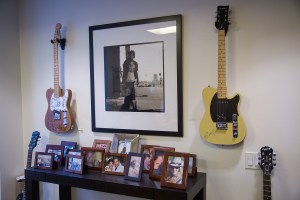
(251, 160)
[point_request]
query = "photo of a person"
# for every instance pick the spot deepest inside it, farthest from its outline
(93, 158)
(148, 155)
(109, 165)
(174, 170)
(158, 162)
(43, 161)
(134, 166)
(118, 166)
(129, 79)
(124, 147)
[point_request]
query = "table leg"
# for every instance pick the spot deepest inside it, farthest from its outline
(64, 192)
(32, 189)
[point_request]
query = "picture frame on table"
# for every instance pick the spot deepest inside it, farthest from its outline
(102, 144)
(44, 160)
(146, 100)
(58, 151)
(175, 171)
(124, 143)
(114, 163)
(68, 145)
(93, 157)
(192, 169)
(74, 164)
(157, 163)
(134, 168)
(147, 151)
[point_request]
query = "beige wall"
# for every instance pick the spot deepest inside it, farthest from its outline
(263, 66)
(11, 142)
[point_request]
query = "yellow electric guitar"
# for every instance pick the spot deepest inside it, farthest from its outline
(221, 123)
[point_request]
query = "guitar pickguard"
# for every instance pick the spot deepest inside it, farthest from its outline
(59, 103)
(222, 110)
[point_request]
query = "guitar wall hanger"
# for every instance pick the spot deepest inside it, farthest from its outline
(62, 43)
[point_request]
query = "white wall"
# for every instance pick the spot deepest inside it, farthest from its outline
(11, 142)
(263, 66)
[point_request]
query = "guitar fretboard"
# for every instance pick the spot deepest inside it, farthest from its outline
(29, 158)
(267, 187)
(56, 69)
(222, 89)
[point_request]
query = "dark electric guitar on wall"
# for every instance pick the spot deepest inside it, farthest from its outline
(32, 144)
(267, 159)
(59, 117)
(221, 123)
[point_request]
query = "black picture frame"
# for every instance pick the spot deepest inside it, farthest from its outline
(134, 170)
(109, 46)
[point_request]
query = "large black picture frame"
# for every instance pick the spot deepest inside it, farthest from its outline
(109, 46)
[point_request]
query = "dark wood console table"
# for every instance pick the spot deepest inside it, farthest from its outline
(95, 180)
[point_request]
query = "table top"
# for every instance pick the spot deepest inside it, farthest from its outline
(95, 180)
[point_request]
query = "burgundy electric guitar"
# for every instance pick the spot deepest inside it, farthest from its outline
(267, 160)
(59, 117)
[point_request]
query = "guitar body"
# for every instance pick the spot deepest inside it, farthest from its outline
(59, 117)
(221, 123)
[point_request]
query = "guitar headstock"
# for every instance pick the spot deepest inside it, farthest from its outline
(222, 22)
(34, 139)
(57, 33)
(267, 160)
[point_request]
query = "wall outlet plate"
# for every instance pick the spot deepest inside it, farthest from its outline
(251, 160)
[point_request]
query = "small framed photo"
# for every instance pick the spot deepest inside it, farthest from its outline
(147, 151)
(93, 157)
(58, 151)
(114, 163)
(75, 152)
(68, 145)
(74, 164)
(124, 143)
(175, 170)
(157, 162)
(43, 160)
(135, 166)
(102, 144)
(192, 169)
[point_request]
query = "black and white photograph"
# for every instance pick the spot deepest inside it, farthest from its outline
(134, 78)
(124, 147)
(135, 166)
(137, 78)
(74, 164)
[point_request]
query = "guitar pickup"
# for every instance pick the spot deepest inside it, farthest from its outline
(56, 114)
(221, 125)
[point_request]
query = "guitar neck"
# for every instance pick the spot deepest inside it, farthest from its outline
(56, 69)
(267, 187)
(222, 88)
(29, 158)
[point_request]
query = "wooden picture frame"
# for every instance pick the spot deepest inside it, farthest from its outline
(68, 145)
(161, 70)
(175, 170)
(147, 151)
(157, 163)
(74, 164)
(58, 151)
(102, 144)
(134, 168)
(44, 160)
(114, 163)
(93, 157)
(192, 169)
